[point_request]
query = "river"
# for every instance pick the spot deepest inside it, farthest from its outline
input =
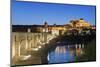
(65, 53)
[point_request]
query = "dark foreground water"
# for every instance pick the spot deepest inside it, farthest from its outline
(65, 53)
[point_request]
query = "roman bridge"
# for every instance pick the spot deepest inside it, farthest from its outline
(22, 42)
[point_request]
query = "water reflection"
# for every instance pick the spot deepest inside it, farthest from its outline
(65, 53)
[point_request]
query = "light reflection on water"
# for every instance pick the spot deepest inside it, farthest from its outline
(65, 53)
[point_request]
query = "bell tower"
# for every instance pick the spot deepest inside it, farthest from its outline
(45, 24)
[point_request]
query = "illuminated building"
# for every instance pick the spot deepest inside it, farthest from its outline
(79, 23)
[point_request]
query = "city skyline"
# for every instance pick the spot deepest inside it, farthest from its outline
(24, 13)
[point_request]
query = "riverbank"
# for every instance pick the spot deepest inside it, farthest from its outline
(90, 52)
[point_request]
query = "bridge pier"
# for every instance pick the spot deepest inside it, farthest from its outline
(19, 48)
(16, 51)
(26, 42)
(79, 45)
(82, 45)
(76, 46)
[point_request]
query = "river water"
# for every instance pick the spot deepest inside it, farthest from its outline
(65, 53)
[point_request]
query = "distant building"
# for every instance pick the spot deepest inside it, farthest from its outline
(79, 23)
(53, 29)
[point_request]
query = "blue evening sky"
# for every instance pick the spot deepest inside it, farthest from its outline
(29, 13)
